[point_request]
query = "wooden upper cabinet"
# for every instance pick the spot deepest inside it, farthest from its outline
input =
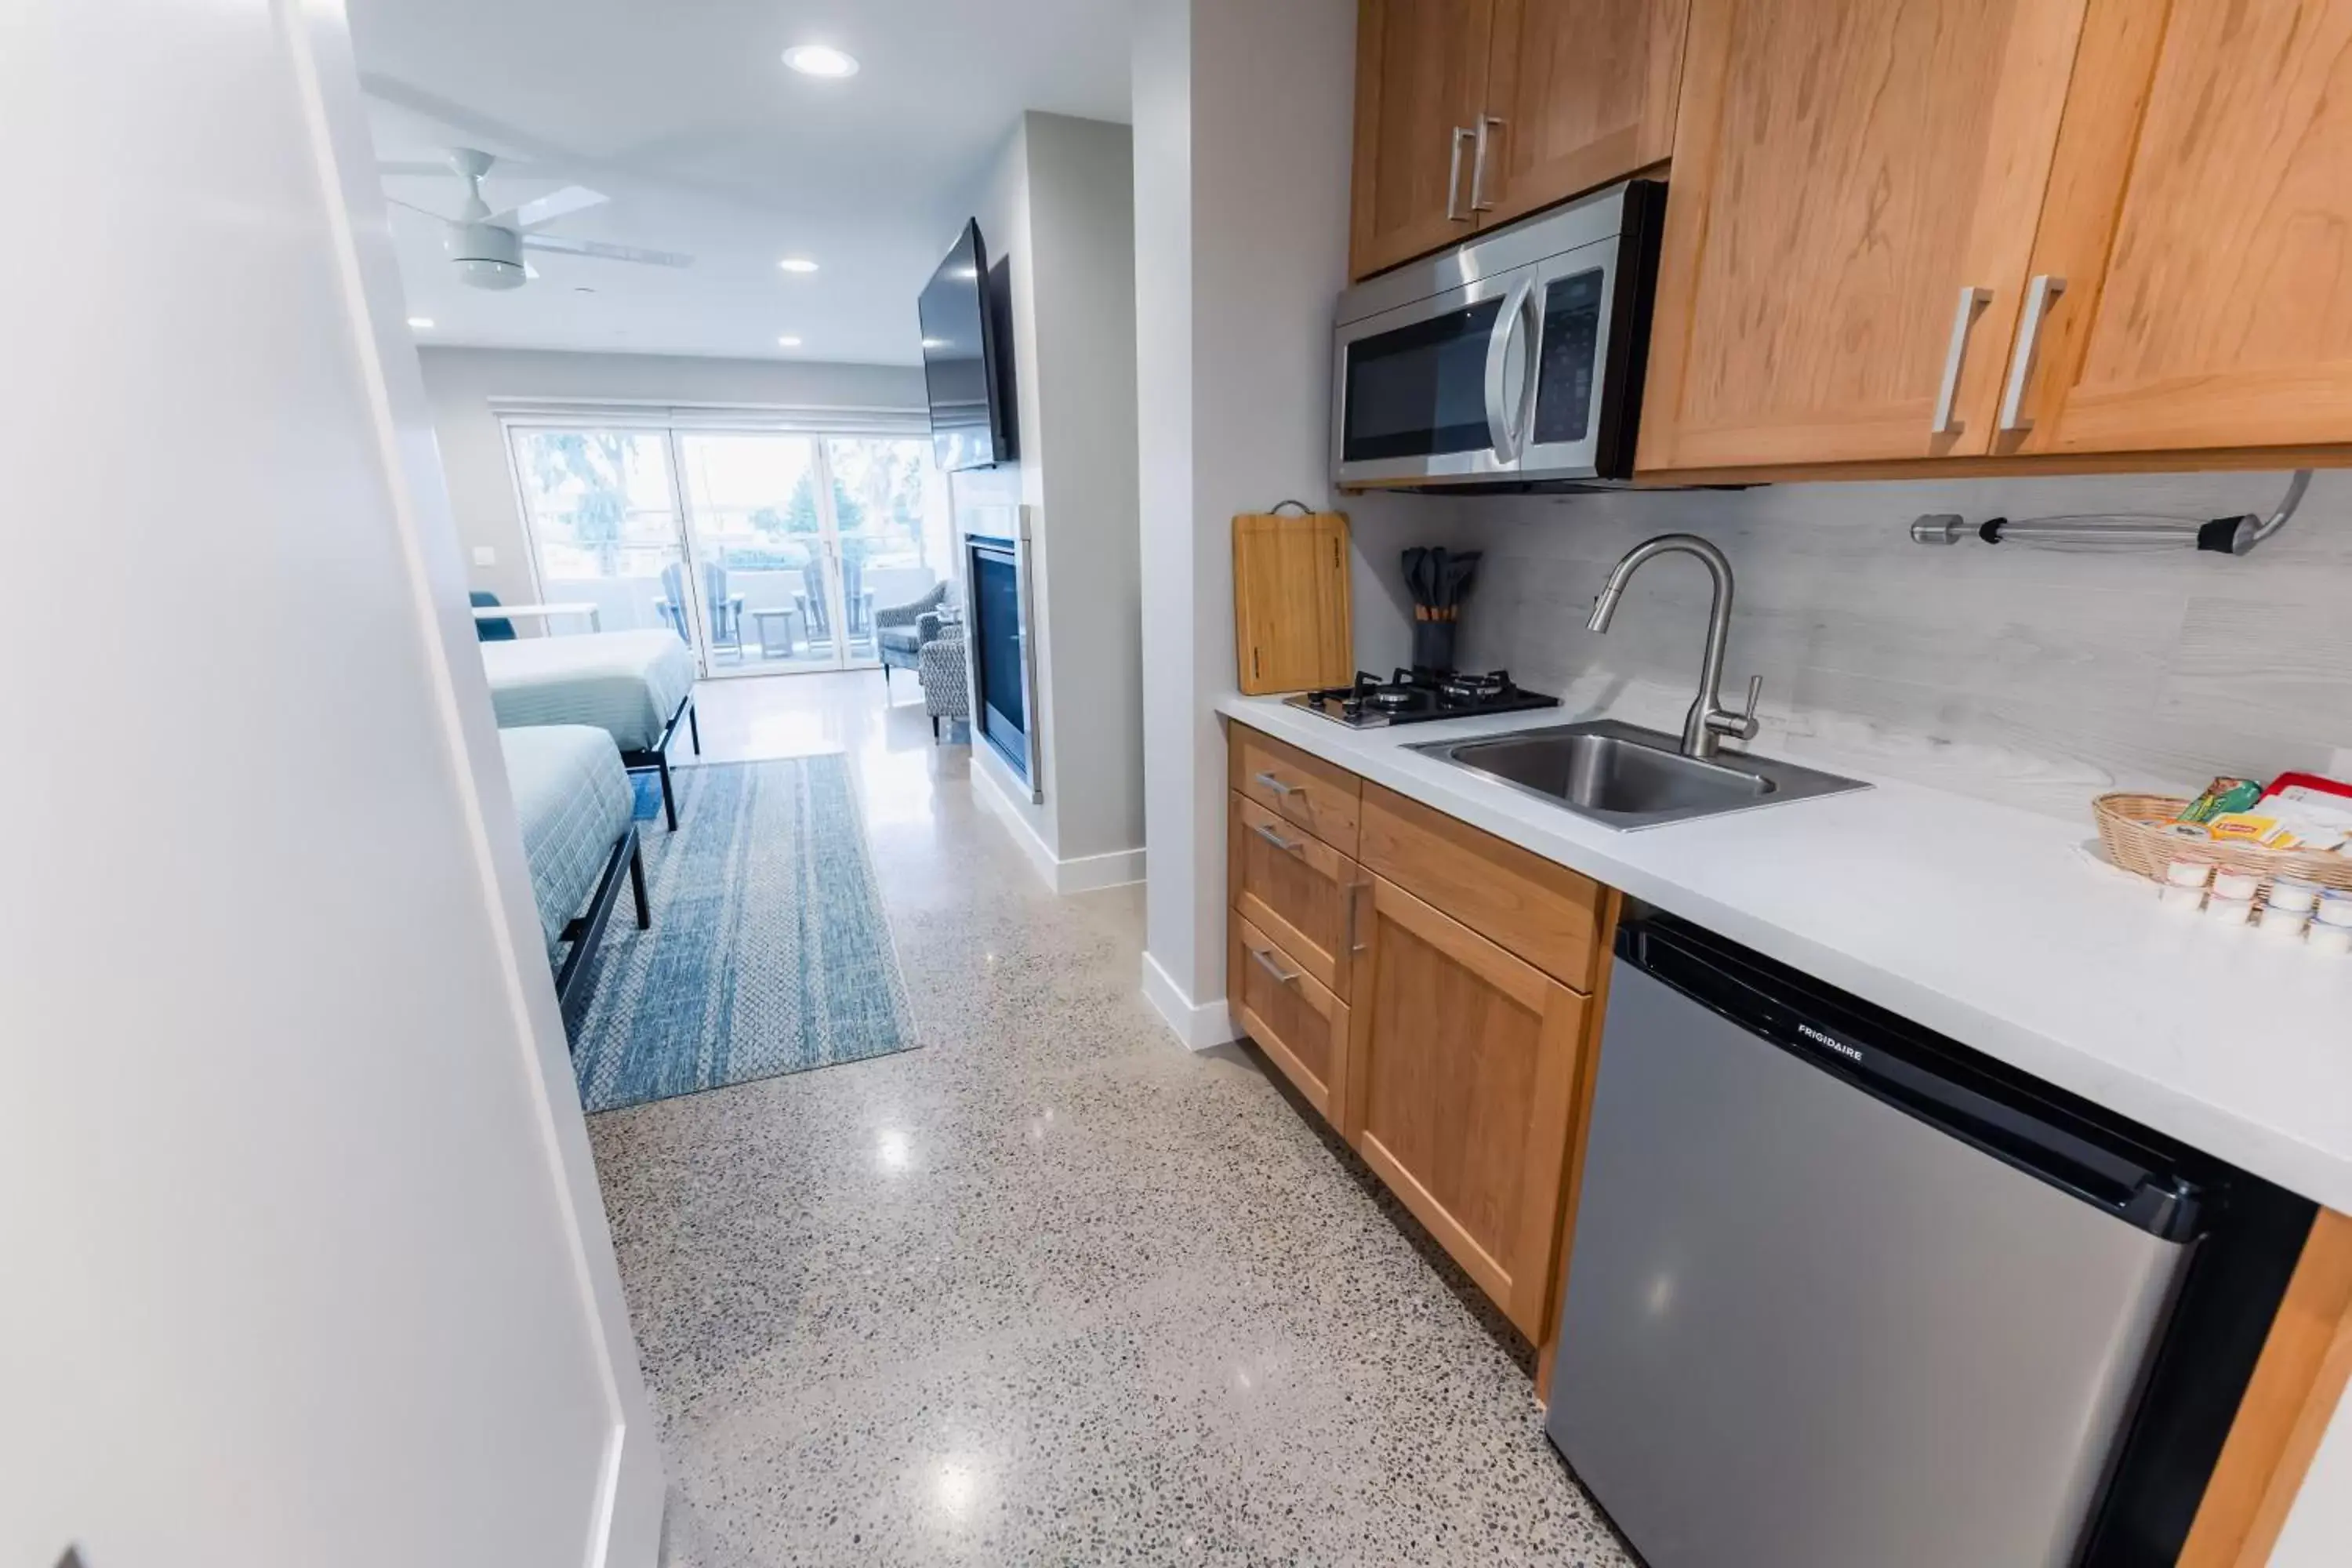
(1421, 69)
(1475, 113)
(1843, 170)
(2199, 216)
(1579, 93)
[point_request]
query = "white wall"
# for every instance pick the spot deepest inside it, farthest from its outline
(461, 382)
(306, 1262)
(1243, 115)
(2032, 676)
(1056, 205)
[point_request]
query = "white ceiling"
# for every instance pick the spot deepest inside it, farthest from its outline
(683, 113)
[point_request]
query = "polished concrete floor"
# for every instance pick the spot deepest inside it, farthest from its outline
(1051, 1289)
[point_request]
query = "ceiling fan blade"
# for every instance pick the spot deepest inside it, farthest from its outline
(530, 272)
(412, 207)
(606, 252)
(547, 208)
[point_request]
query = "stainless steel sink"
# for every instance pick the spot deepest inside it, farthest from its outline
(1626, 777)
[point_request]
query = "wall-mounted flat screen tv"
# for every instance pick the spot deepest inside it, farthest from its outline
(968, 358)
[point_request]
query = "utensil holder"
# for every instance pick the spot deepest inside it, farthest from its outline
(1432, 646)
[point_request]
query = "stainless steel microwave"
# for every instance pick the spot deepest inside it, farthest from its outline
(1513, 360)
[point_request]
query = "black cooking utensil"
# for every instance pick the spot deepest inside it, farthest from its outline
(1416, 574)
(1456, 573)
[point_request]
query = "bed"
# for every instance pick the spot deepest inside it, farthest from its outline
(579, 835)
(633, 686)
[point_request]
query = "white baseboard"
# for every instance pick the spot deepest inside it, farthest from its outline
(1199, 1025)
(1081, 874)
(1087, 872)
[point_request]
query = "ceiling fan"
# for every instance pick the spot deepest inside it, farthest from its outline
(488, 245)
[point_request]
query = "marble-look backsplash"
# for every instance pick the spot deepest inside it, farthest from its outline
(2033, 676)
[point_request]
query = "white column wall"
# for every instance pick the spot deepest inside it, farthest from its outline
(1243, 114)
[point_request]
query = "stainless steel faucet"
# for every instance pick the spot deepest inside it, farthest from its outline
(1708, 720)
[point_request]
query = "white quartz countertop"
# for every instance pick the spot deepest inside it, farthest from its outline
(1984, 923)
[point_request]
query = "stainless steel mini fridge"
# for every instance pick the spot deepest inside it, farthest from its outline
(1840, 1295)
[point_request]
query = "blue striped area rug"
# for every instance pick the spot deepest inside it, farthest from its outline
(768, 952)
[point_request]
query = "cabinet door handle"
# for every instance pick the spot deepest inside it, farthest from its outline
(2037, 295)
(1265, 831)
(1266, 961)
(1478, 202)
(1454, 212)
(1276, 785)
(1355, 915)
(1964, 317)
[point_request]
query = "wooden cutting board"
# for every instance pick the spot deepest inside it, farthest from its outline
(1292, 629)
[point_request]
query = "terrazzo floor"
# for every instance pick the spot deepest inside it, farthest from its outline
(1051, 1289)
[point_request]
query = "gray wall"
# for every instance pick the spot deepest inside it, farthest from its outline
(2033, 676)
(461, 382)
(1058, 205)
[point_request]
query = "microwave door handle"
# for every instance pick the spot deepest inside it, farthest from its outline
(1507, 421)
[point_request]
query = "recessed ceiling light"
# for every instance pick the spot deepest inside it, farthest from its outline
(797, 264)
(421, 323)
(820, 60)
(787, 343)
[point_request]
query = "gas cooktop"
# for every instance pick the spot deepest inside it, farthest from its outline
(1412, 696)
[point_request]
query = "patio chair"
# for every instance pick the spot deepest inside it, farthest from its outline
(671, 605)
(725, 609)
(811, 601)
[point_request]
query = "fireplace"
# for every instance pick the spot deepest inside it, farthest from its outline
(1004, 685)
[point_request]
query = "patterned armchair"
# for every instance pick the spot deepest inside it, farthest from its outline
(902, 630)
(939, 666)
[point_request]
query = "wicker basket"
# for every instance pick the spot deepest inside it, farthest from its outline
(2132, 826)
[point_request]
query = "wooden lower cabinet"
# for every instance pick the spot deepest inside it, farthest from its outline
(1293, 1018)
(1298, 890)
(1541, 911)
(1429, 1002)
(1461, 1081)
(1304, 790)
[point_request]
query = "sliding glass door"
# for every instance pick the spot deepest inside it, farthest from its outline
(800, 539)
(769, 551)
(755, 521)
(891, 533)
(602, 516)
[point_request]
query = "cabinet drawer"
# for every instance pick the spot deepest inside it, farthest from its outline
(1306, 790)
(1295, 889)
(1294, 1019)
(1545, 913)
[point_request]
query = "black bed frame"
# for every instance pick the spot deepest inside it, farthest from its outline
(585, 931)
(656, 760)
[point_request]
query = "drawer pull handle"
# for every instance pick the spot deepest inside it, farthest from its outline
(1265, 831)
(1277, 786)
(1266, 961)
